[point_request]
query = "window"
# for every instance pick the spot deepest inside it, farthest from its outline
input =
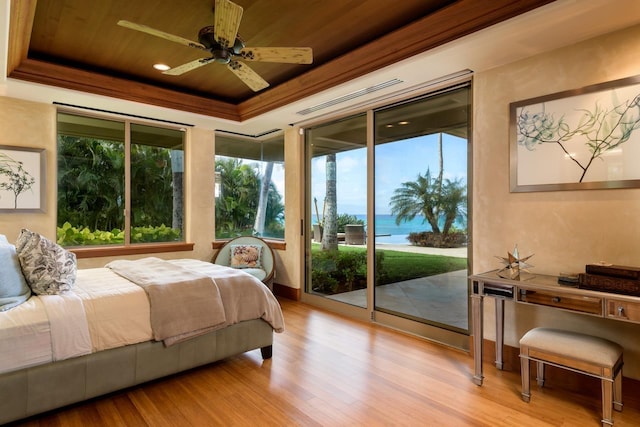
(119, 182)
(249, 187)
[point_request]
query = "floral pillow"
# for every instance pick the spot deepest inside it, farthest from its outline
(246, 256)
(48, 268)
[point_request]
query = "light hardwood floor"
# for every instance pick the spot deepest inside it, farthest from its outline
(328, 370)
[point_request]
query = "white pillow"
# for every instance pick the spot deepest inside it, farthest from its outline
(48, 268)
(13, 288)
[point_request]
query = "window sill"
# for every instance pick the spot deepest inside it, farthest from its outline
(273, 244)
(96, 252)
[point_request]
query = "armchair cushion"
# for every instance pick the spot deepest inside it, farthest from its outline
(258, 273)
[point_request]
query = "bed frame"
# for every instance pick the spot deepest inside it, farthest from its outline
(34, 390)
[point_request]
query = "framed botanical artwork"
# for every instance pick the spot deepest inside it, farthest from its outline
(22, 179)
(587, 138)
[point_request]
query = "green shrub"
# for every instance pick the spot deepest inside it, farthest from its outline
(338, 271)
(342, 271)
(67, 235)
(391, 267)
(382, 274)
(438, 240)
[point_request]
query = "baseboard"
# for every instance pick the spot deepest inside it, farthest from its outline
(286, 292)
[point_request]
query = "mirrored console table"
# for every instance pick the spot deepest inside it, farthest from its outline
(539, 290)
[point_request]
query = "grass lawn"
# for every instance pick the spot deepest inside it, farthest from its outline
(398, 266)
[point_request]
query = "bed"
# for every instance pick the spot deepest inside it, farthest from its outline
(100, 336)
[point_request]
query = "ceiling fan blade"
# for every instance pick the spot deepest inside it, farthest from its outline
(226, 22)
(162, 34)
(289, 55)
(181, 69)
(248, 76)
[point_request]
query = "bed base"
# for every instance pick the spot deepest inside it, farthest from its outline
(41, 388)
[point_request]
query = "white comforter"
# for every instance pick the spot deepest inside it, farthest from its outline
(105, 310)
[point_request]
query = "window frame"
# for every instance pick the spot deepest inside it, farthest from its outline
(128, 248)
(274, 242)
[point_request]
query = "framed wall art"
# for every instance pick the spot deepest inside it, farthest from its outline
(587, 138)
(22, 179)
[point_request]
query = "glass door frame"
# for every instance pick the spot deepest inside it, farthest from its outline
(428, 331)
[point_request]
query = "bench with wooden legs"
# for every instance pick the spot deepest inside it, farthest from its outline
(576, 352)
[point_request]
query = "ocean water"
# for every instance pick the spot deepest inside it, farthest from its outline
(387, 231)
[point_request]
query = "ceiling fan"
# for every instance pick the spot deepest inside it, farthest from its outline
(221, 40)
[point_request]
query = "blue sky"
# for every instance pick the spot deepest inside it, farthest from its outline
(396, 162)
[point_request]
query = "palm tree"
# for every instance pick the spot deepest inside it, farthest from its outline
(239, 202)
(152, 186)
(330, 232)
(454, 202)
(177, 185)
(236, 206)
(274, 217)
(418, 197)
(433, 198)
(261, 213)
(90, 183)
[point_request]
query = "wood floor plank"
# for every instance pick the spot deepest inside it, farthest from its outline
(117, 411)
(328, 370)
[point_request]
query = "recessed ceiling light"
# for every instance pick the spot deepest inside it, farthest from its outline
(390, 125)
(403, 123)
(161, 67)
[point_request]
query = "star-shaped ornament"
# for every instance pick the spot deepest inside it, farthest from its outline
(513, 265)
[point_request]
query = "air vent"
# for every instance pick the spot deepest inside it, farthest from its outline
(350, 96)
(255, 136)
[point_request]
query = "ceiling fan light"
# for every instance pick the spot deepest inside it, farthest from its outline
(161, 67)
(222, 56)
(238, 45)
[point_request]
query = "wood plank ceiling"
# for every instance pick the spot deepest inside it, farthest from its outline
(76, 44)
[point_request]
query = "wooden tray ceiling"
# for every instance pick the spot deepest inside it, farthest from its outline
(76, 44)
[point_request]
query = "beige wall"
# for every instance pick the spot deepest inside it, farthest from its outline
(27, 124)
(289, 267)
(565, 230)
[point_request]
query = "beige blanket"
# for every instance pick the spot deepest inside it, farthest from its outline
(244, 297)
(183, 302)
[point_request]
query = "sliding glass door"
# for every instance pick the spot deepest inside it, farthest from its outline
(337, 253)
(421, 209)
(387, 214)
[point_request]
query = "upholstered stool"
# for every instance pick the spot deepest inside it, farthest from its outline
(576, 352)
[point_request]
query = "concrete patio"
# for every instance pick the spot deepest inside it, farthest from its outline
(442, 298)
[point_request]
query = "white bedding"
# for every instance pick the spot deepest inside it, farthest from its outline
(117, 310)
(116, 313)
(25, 338)
(68, 323)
